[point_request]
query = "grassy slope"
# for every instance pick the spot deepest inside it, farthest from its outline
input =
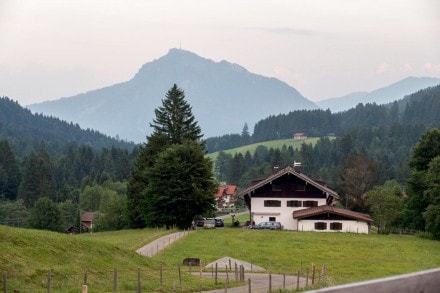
(276, 144)
(349, 257)
(28, 254)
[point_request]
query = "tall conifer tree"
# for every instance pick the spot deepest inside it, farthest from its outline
(174, 124)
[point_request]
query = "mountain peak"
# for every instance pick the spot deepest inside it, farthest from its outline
(224, 96)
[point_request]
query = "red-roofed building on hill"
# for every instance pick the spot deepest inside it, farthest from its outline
(300, 203)
(225, 196)
(299, 136)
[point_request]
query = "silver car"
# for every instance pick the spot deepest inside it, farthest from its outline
(267, 226)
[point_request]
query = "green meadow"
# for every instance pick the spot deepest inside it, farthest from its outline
(27, 255)
(275, 144)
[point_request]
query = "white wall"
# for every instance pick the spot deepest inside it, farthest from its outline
(285, 217)
(347, 226)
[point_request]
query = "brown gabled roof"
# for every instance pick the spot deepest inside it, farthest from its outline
(87, 216)
(305, 213)
(289, 170)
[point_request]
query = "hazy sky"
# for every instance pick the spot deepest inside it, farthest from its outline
(323, 48)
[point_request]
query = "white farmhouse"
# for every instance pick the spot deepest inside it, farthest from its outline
(301, 204)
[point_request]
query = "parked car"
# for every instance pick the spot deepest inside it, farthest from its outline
(200, 222)
(267, 226)
(219, 223)
(209, 223)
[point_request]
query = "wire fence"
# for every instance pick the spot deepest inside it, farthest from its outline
(162, 279)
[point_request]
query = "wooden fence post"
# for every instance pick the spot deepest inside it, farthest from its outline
(49, 279)
(216, 271)
(236, 273)
(270, 282)
(139, 287)
(313, 274)
(5, 282)
(180, 275)
(115, 280)
(249, 282)
(85, 277)
(227, 274)
(297, 281)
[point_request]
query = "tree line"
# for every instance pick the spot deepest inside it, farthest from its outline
(420, 108)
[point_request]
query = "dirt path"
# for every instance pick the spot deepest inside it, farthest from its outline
(151, 249)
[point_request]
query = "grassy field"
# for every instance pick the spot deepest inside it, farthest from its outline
(276, 144)
(349, 257)
(28, 254)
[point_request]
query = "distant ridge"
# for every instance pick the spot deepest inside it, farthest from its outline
(26, 131)
(384, 95)
(224, 96)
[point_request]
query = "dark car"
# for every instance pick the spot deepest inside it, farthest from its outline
(267, 226)
(219, 223)
(200, 222)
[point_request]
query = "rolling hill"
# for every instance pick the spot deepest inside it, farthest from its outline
(26, 131)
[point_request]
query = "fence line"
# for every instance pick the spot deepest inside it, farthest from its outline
(164, 280)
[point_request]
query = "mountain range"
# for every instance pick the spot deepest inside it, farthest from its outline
(224, 96)
(384, 95)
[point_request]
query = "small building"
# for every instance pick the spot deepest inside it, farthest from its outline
(299, 136)
(300, 203)
(225, 196)
(87, 220)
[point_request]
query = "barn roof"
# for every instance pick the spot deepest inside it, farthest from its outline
(323, 209)
(289, 170)
(87, 217)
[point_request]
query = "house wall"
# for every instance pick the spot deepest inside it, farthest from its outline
(282, 214)
(349, 226)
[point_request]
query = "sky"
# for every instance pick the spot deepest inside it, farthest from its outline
(58, 48)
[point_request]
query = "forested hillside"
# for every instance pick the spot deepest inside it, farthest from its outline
(420, 108)
(373, 144)
(25, 132)
(50, 167)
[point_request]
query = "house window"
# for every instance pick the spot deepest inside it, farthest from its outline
(335, 226)
(277, 187)
(320, 226)
(293, 203)
(272, 203)
(300, 187)
(272, 219)
(310, 203)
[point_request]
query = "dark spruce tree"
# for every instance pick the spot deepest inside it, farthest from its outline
(174, 118)
(173, 125)
(9, 174)
(423, 205)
